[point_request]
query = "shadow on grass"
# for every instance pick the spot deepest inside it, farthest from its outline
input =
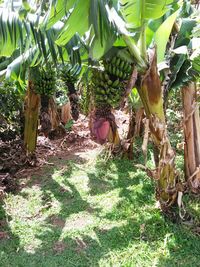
(144, 229)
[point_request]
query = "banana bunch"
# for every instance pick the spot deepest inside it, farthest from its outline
(118, 67)
(70, 74)
(106, 90)
(85, 92)
(109, 84)
(45, 81)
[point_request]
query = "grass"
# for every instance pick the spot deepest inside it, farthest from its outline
(93, 213)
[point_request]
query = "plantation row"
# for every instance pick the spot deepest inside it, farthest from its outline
(132, 53)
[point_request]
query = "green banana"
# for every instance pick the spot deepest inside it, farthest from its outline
(98, 90)
(103, 92)
(113, 61)
(114, 70)
(118, 61)
(125, 76)
(126, 67)
(117, 72)
(129, 68)
(122, 64)
(106, 76)
(101, 76)
(110, 68)
(102, 83)
(120, 74)
(115, 83)
(109, 82)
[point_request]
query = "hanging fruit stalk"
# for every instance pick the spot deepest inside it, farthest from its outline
(55, 118)
(109, 87)
(45, 119)
(74, 101)
(192, 137)
(31, 118)
(69, 76)
(45, 81)
(86, 95)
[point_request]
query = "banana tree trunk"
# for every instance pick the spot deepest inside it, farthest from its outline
(32, 101)
(55, 118)
(135, 128)
(66, 113)
(149, 88)
(45, 119)
(113, 137)
(74, 101)
(131, 133)
(192, 137)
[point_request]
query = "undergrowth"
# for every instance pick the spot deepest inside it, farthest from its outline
(93, 213)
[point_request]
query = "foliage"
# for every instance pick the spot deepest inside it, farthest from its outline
(35, 43)
(68, 125)
(183, 55)
(11, 110)
(57, 32)
(11, 101)
(60, 95)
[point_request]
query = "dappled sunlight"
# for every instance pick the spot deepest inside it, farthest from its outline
(105, 202)
(78, 222)
(91, 215)
(27, 216)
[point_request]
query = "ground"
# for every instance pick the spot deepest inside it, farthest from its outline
(80, 207)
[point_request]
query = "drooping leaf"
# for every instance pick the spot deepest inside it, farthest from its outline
(185, 32)
(175, 66)
(57, 11)
(162, 36)
(132, 10)
(76, 23)
(103, 32)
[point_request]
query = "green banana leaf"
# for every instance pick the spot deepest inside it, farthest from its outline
(134, 11)
(58, 9)
(162, 36)
(76, 23)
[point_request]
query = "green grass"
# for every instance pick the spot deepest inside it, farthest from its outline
(93, 213)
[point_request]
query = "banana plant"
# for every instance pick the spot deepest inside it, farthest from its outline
(183, 59)
(133, 24)
(69, 76)
(138, 15)
(137, 25)
(26, 44)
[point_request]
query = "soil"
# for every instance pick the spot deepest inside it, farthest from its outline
(15, 164)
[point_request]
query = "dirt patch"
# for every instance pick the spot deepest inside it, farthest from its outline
(4, 235)
(15, 165)
(58, 222)
(7, 184)
(76, 145)
(59, 247)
